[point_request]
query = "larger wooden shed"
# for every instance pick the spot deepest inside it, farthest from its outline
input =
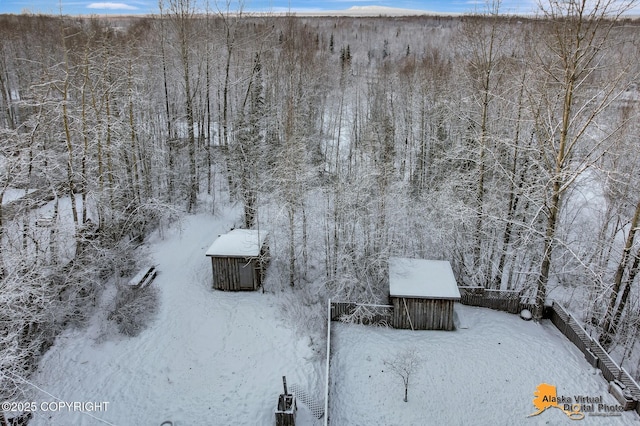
(422, 293)
(239, 259)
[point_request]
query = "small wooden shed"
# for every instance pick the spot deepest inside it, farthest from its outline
(422, 293)
(239, 259)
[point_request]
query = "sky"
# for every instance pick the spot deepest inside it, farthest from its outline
(75, 7)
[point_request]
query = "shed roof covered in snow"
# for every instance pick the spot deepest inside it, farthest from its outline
(238, 243)
(422, 279)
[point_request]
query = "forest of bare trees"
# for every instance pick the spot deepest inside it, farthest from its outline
(507, 145)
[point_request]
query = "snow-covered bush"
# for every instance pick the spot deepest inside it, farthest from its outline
(27, 329)
(307, 313)
(134, 309)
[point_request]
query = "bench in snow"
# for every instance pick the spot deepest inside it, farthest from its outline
(144, 277)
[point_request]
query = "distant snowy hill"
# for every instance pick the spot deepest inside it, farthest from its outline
(367, 11)
(384, 10)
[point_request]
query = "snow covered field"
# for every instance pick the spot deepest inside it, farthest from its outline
(209, 358)
(12, 194)
(483, 375)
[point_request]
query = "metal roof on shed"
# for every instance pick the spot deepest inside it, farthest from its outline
(422, 279)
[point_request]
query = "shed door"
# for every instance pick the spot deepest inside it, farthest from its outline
(246, 275)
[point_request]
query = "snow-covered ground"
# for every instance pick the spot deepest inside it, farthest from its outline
(12, 194)
(217, 358)
(42, 221)
(483, 375)
(209, 358)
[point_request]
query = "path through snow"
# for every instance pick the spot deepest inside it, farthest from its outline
(209, 358)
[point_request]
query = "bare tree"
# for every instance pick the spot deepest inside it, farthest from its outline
(405, 364)
(483, 38)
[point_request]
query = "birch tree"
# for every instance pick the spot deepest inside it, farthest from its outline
(248, 145)
(483, 38)
(623, 180)
(578, 37)
(182, 14)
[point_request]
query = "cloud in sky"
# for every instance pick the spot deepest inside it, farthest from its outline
(111, 6)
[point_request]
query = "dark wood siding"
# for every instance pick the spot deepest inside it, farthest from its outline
(247, 275)
(239, 273)
(226, 273)
(423, 314)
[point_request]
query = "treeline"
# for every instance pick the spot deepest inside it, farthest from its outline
(508, 146)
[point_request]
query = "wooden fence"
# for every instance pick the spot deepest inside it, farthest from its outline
(501, 300)
(361, 313)
(565, 322)
(593, 351)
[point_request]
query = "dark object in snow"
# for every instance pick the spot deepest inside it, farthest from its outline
(166, 423)
(286, 411)
(526, 315)
(239, 259)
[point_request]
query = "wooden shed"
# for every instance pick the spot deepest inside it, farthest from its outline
(422, 293)
(239, 259)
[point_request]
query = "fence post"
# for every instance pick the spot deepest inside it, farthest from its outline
(326, 383)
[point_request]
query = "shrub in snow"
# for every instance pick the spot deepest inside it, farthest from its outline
(134, 309)
(30, 317)
(306, 312)
(367, 314)
(526, 315)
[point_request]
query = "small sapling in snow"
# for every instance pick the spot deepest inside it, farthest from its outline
(405, 364)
